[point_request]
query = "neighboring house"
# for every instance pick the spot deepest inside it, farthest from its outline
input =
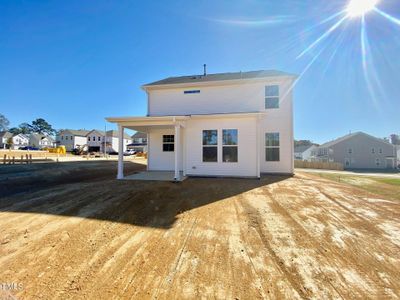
(38, 140)
(20, 140)
(139, 142)
(304, 152)
(5, 136)
(398, 156)
(95, 141)
(72, 139)
(357, 151)
(230, 124)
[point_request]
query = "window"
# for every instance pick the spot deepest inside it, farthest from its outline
(230, 145)
(99, 138)
(378, 161)
(347, 162)
(380, 150)
(88, 138)
(373, 150)
(192, 92)
(168, 143)
(271, 96)
(272, 146)
(210, 145)
(350, 151)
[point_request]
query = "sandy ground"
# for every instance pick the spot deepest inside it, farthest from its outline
(96, 237)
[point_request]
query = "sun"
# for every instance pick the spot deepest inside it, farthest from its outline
(358, 8)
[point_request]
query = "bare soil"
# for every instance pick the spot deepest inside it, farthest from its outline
(77, 233)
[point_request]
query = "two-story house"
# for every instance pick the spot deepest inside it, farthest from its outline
(139, 142)
(229, 124)
(38, 140)
(357, 151)
(5, 137)
(20, 140)
(304, 152)
(98, 139)
(72, 139)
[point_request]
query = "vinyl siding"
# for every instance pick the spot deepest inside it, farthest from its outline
(247, 162)
(246, 97)
(362, 156)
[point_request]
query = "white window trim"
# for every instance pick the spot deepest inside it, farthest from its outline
(272, 147)
(237, 146)
(272, 97)
(209, 146)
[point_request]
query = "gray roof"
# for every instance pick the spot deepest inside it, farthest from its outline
(79, 132)
(139, 135)
(220, 77)
(5, 134)
(343, 138)
(301, 149)
(113, 133)
(40, 136)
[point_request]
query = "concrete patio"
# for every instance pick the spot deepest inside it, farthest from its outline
(155, 176)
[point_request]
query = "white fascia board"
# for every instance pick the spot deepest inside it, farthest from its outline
(216, 83)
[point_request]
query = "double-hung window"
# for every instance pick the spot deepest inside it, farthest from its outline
(272, 146)
(271, 96)
(210, 146)
(168, 143)
(230, 145)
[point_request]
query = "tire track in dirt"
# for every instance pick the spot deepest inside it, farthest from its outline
(169, 278)
(339, 253)
(297, 285)
(261, 278)
(315, 245)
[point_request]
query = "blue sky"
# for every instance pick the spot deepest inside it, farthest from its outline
(76, 62)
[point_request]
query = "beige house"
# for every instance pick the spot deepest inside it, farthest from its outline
(357, 151)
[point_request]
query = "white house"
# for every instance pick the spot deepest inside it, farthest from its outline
(72, 139)
(139, 142)
(4, 139)
(95, 141)
(304, 152)
(20, 140)
(38, 140)
(230, 124)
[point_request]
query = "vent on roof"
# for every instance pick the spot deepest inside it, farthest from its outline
(192, 92)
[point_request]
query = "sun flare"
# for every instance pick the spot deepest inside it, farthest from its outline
(358, 8)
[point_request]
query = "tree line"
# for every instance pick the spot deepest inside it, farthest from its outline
(36, 126)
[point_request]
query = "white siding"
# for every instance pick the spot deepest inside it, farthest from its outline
(244, 97)
(247, 162)
(158, 159)
(80, 141)
(224, 98)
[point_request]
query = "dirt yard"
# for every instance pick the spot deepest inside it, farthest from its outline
(74, 232)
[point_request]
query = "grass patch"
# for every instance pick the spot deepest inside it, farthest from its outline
(386, 187)
(392, 181)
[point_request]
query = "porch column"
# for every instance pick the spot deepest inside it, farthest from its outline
(177, 147)
(120, 174)
(258, 145)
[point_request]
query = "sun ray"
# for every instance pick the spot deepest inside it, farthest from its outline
(324, 21)
(368, 67)
(302, 73)
(387, 16)
(322, 37)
